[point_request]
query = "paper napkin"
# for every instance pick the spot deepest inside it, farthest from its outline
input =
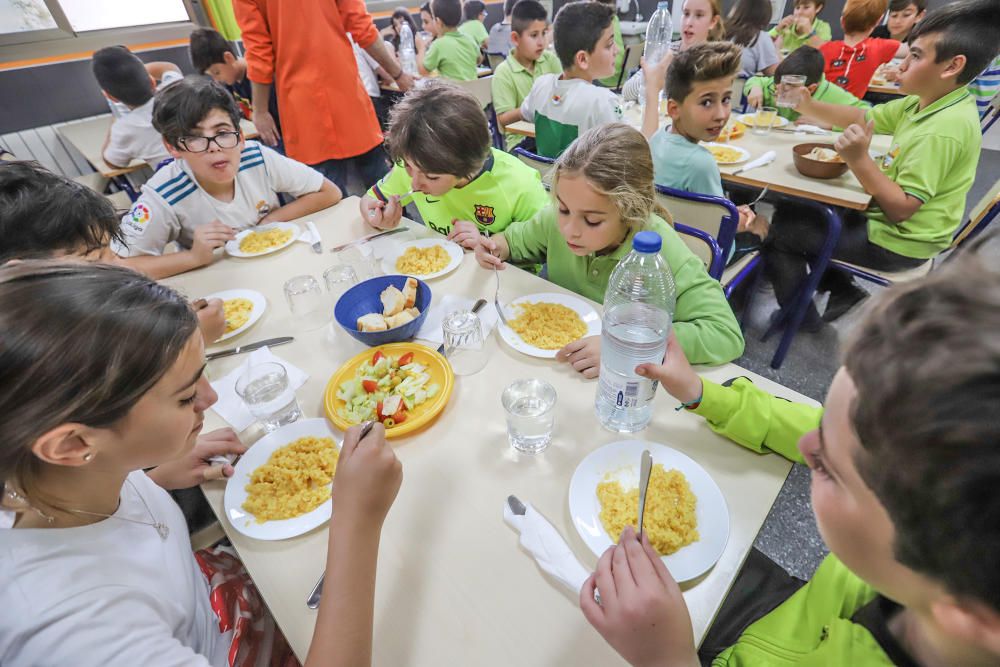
(310, 235)
(540, 539)
(230, 406)
(430, 330)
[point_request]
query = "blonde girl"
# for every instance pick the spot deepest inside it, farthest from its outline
(102, 379)
(603, 194)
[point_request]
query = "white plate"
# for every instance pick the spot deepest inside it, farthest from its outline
(744, 153)
(582, 308)
(453, 249)
(257, 456)
(621, 459)
(233, 247)
(259, 306)
(748, 120)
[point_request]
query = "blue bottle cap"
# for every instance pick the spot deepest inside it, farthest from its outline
(647, 242)
(663, 4)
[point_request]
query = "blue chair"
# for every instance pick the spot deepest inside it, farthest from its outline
(715, 216)
(541, 163)
(163, 163)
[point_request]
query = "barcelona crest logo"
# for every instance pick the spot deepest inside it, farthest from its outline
(485, 215)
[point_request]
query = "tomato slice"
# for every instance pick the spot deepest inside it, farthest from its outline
(399, 417)
(406, 358)
(371, 386)
(378, 411)
(378, 355)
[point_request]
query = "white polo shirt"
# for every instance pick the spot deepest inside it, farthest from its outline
(563, 109)
(133, 135)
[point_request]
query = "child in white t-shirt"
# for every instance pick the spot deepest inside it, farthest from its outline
(217, 185)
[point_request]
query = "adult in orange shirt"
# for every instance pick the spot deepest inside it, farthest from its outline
(301, 48)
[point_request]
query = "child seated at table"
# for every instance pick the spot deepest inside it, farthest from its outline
(903, 15)
(528, 60)
(851, 62)
(104, 370)
(918, 187)
(499, 36)
(905, 469)
(474, 12)
(125, 79)
(604, 195)
(802, 27)
(439, 142)
(217, 185)
(452, 54)
(563, 107)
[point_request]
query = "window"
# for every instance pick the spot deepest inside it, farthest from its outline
(27, 21)
(25, 16)
(84, 15)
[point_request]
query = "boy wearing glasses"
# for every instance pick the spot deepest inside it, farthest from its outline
(217, 185)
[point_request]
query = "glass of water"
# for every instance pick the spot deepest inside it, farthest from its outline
(463, 342)
(764, 120)
(788, 93)
(530, 407)
(268, 395)
(306, 301)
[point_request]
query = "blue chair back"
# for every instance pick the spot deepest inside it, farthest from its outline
(715, 216)
(543, 164)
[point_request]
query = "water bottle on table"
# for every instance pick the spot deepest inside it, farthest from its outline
(659, 35)
(638, 313)
(407, 52)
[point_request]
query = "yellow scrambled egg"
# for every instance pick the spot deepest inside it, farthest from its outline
(295, 480)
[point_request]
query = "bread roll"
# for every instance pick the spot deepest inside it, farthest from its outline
(393, 301)
(410, 292)
(372, 322)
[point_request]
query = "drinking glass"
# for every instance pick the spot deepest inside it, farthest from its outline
(306, 301)
(763, 120)
(268, 395)
(463, 342)
(339, 279)
(530, 407)
(788, 93)
(359, 258)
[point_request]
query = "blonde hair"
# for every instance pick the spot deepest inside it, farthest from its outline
(717, 33)
(616, 161)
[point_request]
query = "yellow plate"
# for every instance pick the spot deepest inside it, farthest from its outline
(437, 367)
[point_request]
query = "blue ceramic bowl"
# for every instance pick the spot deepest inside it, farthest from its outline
(363, 299)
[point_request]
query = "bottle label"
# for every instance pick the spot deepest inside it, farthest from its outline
(625, 393)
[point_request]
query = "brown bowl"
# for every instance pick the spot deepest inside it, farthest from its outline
(816, 168)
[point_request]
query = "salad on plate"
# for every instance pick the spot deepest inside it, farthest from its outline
(385, 389)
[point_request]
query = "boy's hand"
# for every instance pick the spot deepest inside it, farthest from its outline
(642, 613)
(755, 98)
(209, 237)
(195, 467)
(655, 76)
(405, 82)
(381, 215)
(753, 223)
(211, 318)
(367, 478)
(486, 254)
(804, 101)
(584, 355)
(803, 26)
(266, 127)
(853, 144)
(785, 22)
(465, 234)
(675, 374)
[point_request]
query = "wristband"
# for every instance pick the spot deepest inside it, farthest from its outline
(690, 405)
(401, 73)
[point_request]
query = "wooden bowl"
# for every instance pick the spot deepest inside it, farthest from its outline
(816, 168)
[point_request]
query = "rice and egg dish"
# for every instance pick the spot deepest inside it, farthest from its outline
(548, 326)
(257, 242)
(236, 312)
(295, 480)
(669, 520)
(724, 155)
(423, 261)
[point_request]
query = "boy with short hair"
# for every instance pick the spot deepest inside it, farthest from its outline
(903, 15)
(616, 27)
(919, 187)
(852, 61)
(439, 142)
(499, 37)
(801, 27)
(217, 185)
(564, 107)
(474, 12)
(126, 79)
(453, 54)
(528, 60)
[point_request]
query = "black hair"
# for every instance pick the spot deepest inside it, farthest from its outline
(449, 11)
(472, 9)
(900, 5)
(182, 105)
(805, 60)
(578, 27)
(525, 13)
(121, 74)
(43, 214)
(968, 28)
(207, 48)
(508, 7)
(746, 20)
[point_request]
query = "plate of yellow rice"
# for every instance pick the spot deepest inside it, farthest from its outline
(242, 308)
(542, 324)
(425, 259)
(686, 517)
(263, 239)
(281, 487)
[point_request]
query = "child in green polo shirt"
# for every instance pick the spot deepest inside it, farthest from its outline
(918, 188)
(439, 142)
(801, 27)
(452, 54)
(604, 194)
(528, 60)
(475, 13)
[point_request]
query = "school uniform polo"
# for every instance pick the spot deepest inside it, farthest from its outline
(132, 136)
(825, 92)
(933, 157)
(173, 205)
(852, 67)
(506, 190)
(684, 165)
(612, 81)
(563, 109)
(476, 30)
(454, 55)
(512, 82)
(791, 40)
(704, 322)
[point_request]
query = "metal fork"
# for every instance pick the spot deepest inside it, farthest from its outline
(496, 298)
(759, 197)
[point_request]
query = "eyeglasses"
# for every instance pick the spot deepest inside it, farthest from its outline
(201, 144)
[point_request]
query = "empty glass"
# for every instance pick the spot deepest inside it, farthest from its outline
(788, 93)
(306, 301)
(268, 395)
(338, 280)
(530, 406)
(763, 120)
(463, 342)
(361, 259)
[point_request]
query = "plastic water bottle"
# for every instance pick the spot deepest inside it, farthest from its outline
(638, 313)
(407, 52)
(659, 35)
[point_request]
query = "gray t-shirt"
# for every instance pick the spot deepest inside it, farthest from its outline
(499, 39)
(758, 56)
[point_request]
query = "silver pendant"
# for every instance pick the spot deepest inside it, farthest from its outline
(163, 529)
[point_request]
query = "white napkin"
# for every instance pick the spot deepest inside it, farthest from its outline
(386, 246)
(766, 158)
(310, 235)
(431, 331)
(806, 128)
(540, 539)
(230, 406)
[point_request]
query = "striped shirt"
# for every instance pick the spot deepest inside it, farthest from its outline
(985, 86)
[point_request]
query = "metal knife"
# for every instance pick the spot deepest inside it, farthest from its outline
(645, 468)
(363, 239)
(249, 347)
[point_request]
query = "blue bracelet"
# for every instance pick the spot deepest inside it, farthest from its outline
(692, 404)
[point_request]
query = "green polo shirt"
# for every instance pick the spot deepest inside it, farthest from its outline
(791, 40)
(933, 157)
(704, 322)
(612, 80)
(476, 30)
(454, 55)
(825, 92)
(505, 191)
(512, 82)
